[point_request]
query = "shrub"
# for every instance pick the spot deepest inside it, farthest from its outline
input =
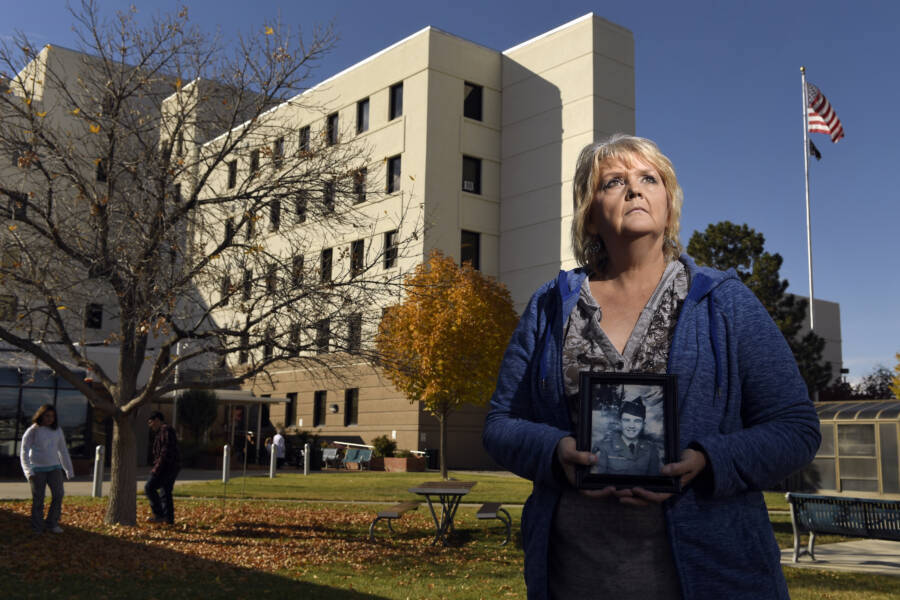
(384, 446)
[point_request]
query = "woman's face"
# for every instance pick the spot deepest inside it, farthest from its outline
(630, 201)
(48, 418)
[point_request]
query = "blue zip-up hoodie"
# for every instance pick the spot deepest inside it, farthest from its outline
(741, 400)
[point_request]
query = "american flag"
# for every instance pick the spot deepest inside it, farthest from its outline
(821, 117)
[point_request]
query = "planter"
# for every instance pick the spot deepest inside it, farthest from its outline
(376, 464)
(403, 465)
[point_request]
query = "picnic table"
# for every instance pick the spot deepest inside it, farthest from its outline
(449, 494)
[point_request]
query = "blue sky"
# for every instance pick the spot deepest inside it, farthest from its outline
(718, 87)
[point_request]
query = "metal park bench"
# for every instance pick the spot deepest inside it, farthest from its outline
(330, 457)
(854, 517)
(394, 512)
(492, 510)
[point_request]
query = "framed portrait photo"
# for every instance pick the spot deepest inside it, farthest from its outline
(629, 422)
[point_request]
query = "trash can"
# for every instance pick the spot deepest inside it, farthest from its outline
(432, 458)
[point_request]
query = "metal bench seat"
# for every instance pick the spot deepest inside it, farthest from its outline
(492, 510)
(392, 512)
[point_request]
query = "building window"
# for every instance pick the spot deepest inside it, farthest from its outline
(297, 271)
(290, 417)
(269, 344)
(472, 101)
(176, 193)
(396, 102)
(254, 163)
(362, 116)
(251, 226)
(8, 307)
(93, 316)
(359, 184)
(232, 173)
(328, 196)
(323, 336)
(244, 352)
(274, 215)
(393, 174)
(294, 338)
(351, 406)
(390, 249)
(272, 278)
(471, 181)
(247, 285)
(300, 207)
(319, 408)
(18, 206)
(857, 457)
(304, 139)
(278, 153)
(470, 248)
(325, 265)
(179, 144)
(357, 252)
(354, 333)
(331, 129)
(229, 229)
(102, 170)
(225, 290)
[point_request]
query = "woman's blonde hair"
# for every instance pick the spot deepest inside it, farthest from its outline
(589, 250)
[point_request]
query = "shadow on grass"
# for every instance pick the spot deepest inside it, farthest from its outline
(83, 564)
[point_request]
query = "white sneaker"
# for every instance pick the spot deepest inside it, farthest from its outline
(57, 529)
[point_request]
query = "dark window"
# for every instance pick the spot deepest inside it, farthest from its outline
(351, 406)
(396, 102)
(8, 307)
(304, 139)
(295, 338)
(102, 170)
(359, 184)
(331, 129)
(269, 344)
(232, 173)
(229, 229)
(179, 144)
(93, 316)
(325, 265)
(247, 285)
(278, 153)
(297, 271)
(328, 196)
(319, 408)
(290, 417)
(393, 174)
(274, 215)
(254, 163)
(472, 101)
(470, 248)
(354, 333)
(18, 206)
(271, 278)
(300, 207)
(225, 290)
(471, 181)
(357, 252)
(390, 249)
(176, 193)
(362, 116)
(323, 336)
(251, 226)
(244, 352)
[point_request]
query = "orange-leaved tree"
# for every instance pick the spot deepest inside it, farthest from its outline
(443, 344)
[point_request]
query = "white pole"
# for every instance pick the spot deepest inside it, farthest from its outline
(806, 180)
(97, 490)
(226, 463)
(306, 458)
(272, 460)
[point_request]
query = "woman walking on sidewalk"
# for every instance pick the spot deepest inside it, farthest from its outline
(44, 458)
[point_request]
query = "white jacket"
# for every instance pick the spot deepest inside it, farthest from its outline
(45, 447)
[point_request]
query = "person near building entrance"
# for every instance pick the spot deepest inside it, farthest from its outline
(278, 444)
(44, 458)
(166, 464)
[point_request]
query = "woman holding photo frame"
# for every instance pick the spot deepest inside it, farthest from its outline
(638, 305)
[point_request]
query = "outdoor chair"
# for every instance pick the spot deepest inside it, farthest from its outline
(330, 457)
(350, 456)
(363, 458)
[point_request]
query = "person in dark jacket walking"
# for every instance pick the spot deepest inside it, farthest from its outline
(166, 464)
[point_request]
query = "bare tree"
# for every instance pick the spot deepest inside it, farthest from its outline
(171, 179)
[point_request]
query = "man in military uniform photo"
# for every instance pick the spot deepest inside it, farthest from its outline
(626, 452)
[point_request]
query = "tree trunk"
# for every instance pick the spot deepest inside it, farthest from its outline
(122, 508)
(443, 447)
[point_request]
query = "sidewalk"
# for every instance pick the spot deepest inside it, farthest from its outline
(83, 484)
(859, 556)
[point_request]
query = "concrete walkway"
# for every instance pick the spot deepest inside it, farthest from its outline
(859, 556)
(18, 489)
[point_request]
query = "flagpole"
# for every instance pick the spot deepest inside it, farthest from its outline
(806, 180)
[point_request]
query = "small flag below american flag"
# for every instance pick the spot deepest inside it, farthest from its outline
(813, 151)
(820, 114)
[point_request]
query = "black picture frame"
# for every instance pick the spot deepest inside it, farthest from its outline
(611, 404)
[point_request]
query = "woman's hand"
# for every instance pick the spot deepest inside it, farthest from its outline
(568, 457)
(691, 464)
